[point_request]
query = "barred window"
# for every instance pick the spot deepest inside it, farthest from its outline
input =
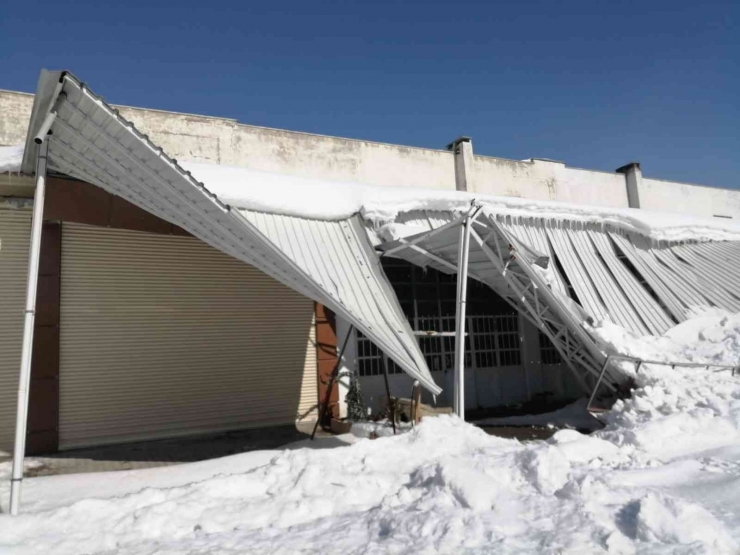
(369, 358)
(496, 340)
(428, 298)
(548, 353)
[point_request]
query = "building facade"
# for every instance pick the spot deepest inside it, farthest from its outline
(145, 332)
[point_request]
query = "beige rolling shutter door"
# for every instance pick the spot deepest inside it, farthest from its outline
(15, 239)
(163, 335)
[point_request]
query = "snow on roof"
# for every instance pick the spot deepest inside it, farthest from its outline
(333, 200)
(11, 158)
(323, 199)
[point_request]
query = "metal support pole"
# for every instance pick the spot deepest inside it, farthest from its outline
(391, 408)
(462, 291)
(598, 383)
(21, 418)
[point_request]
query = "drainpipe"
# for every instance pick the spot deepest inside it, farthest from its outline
(30, 316)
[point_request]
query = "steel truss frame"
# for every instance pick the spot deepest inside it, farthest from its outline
(513, 263)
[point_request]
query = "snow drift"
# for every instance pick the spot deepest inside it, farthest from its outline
(662, 477)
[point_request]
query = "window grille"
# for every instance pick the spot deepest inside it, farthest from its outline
(428, 300)
(369, 361)
(548, 353)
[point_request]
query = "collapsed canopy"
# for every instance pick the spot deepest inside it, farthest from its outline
(564, 266)
(565, 275)
(331, 262)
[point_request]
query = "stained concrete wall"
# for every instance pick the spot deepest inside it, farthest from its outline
(547, 180)
(225, 141)
(15, 111)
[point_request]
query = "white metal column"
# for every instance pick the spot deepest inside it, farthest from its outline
(462, 291)
(30, 316)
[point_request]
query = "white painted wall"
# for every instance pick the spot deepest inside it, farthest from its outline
(15, 112)
(225, 141)
(547, 180)
(683, 198)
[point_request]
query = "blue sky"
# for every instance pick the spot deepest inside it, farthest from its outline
(594, 84)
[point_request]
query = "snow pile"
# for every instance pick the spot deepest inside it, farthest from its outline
(574, 415)
(378, 429)
(11, 158)
(333, 200)
(662, 477)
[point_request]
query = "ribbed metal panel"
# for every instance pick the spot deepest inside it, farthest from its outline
(664, 291)
(336, 256)
(654, 316)
(536, 236)
(579, 277)
(164, 335)
(15, 238)
(719, 287)
(91, 142)
(618, 304)
(681, 283)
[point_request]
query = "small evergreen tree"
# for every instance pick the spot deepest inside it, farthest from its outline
(356, 408)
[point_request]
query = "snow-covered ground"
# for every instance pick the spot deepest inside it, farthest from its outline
(574, 416)
(662, 477)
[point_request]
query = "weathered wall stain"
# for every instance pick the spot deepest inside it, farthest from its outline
(226, 141)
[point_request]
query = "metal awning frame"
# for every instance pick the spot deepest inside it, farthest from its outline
(157, 184)
(528, 293)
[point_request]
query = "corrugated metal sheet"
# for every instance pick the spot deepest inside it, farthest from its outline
(641, 285)
(91, 142)
(534, 234)
(578, 274)
(337, 257)
(618, 304)
(652, 314)
(163, 335)
(663, 291)
(710, 266)
(15, 238)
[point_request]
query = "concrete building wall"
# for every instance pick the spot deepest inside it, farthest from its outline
(684, 198)
(15, 111)
(340, 159)
(225, 141)
(547, 180)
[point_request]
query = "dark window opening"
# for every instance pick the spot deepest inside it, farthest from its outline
(548, 353)
(428, 299)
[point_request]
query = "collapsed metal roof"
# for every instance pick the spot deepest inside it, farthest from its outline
(565, 276)
(330, 262)
(562, 274)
